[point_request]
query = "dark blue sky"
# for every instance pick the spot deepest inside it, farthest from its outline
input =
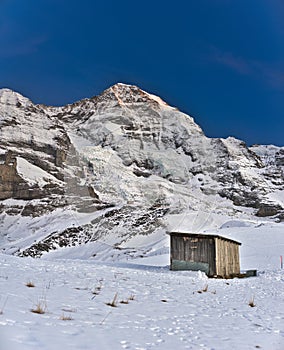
(221, 61)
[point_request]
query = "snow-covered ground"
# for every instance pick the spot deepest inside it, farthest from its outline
(155, 308)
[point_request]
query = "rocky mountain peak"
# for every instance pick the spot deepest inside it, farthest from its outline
(11, 98)
(126, 94)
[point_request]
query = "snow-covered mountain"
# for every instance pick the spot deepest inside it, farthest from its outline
(119, 170)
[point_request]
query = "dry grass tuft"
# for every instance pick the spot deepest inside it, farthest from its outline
(65, 318)
(98, 288)
(251, 302)
(2, 308)
(30, 284)
(126, 301)
(205, 289)
(103, 320)
(113, 303)
(40, 308)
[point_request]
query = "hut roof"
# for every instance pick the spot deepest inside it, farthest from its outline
(202, 235)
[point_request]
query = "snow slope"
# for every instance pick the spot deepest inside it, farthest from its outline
(156, 308)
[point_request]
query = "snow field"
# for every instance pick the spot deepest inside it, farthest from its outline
(170, 310)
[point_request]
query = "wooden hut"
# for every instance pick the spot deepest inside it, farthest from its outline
(215, 255)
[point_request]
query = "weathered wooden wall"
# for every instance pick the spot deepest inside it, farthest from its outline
(227, 258)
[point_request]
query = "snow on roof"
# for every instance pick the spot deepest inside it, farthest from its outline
(203, 235)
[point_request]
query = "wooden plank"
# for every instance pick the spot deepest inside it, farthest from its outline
(227, 258)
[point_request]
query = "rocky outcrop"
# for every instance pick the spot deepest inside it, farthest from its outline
(10, 181)
(12, 185)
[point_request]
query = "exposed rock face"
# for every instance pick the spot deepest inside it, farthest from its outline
(12, 185)
(10, 181)
(127, 152)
